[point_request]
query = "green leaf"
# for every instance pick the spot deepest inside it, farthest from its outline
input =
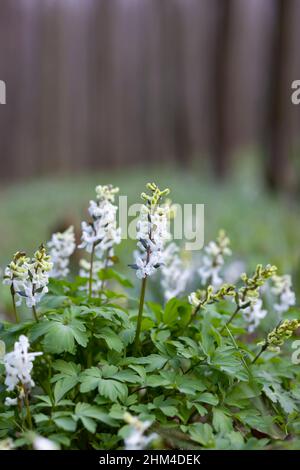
(93, 378)
(202, 433)
(225, 359)
(111, 338)
(221, 422)
(112, 389)
(90, 379)
(209, 398)
(177, 312)
(109, 273)
(65, 423)
(63, 386)
(95, 412)
(61, 337)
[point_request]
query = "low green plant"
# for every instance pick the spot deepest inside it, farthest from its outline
(111, 371)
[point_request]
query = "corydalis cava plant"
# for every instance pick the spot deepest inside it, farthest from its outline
(18, 367)
(61, 247)
(245, 297)
(152, 233)
(101, 234)
(28, 278)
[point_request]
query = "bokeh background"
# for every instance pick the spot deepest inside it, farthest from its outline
(195, 94)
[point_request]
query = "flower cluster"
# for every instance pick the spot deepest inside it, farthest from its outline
(18, 366)
(213, 260)
(16, 274)
(282, 288)
(250, 290)
(152, 232)
(28, 278)
(61, 247)
(174, 274)
(137, 440)
(280, 334)
(201, 298)
(102, 233)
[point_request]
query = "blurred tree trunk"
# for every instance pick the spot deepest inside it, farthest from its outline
(278, 101)
(221, 111)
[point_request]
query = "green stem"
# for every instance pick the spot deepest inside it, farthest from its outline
(35, 314)
(238, 308)
(91, 273)
(259, 353)
(104, 269)
(12, 290)
(231, 318)
(140, 317)
(29, 420)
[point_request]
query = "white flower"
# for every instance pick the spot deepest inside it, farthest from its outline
(10, 401)
(136, 440)
(29, 278)
(42, 443)
(18, 365)
(282, 288)
(6, 444)
(102, 233)
(254, 314)
(174, 275)
(194, 299)
(152, 233)
(61, 247)
(213, 260)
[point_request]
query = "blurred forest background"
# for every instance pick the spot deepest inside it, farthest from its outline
(112, 84)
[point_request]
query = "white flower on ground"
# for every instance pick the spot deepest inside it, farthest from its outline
(152, 233)
(282, 289)
(18, 365)
(61, 247)
(254, 314)
(174, 274)
(137, 440)
(213, 260)
(42, 443)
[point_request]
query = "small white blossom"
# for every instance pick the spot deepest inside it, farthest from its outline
(101, 234)
(6, 444)
(193, 299)
(137, 440)
(28, 278)
(18, 365)
(213, 260)
(174, 274)
(42, 443)
(61, 247)
(152, 233)
(254, 314)
(282, 288)
(10, 401)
